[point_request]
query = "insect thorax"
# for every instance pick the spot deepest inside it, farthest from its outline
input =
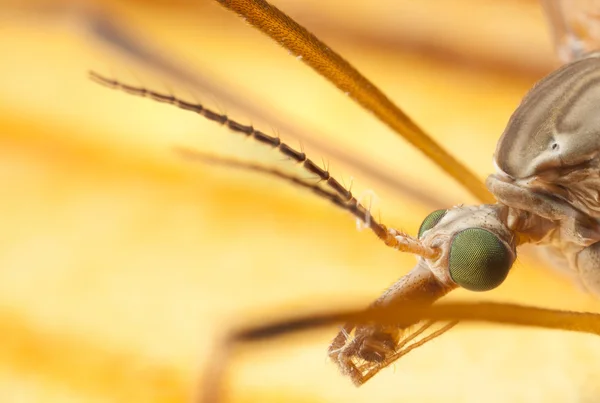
(548, 161)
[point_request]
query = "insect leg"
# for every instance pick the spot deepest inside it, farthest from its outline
(324, 60)
(510, 314)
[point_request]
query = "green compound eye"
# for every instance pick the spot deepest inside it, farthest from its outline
(478, 260)
(431, 220)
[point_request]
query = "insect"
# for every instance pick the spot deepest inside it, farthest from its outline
(562, 215)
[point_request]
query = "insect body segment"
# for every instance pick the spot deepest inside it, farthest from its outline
(548, 162)
(552, 141)
(479, 246)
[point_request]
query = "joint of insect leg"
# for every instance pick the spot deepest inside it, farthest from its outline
(406, 243)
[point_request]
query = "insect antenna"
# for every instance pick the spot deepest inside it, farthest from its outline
(114, 35)
(344, 197)
(352, 205)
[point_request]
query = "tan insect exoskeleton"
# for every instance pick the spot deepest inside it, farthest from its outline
(546, 191)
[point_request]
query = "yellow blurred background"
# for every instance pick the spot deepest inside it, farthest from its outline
(121, 264)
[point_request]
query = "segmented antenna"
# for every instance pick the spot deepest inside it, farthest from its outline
(352, 205)
(337, 193)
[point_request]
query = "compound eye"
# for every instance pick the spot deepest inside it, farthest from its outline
(431, 221)
(478, 260)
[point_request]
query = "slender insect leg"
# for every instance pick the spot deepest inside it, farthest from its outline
(328, 63)
(510, 314)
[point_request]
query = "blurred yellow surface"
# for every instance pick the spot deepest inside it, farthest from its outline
(122, 264)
